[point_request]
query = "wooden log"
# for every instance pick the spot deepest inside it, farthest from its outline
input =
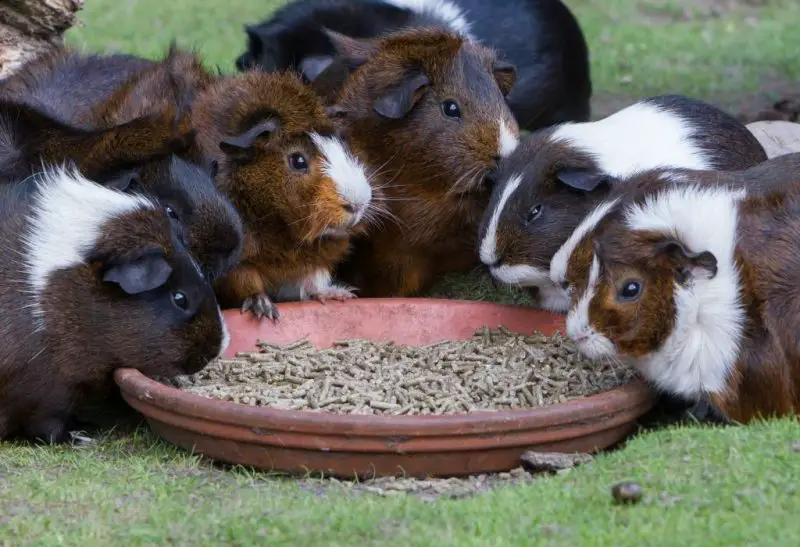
(29, 28)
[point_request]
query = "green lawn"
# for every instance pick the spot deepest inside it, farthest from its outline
(731, 486)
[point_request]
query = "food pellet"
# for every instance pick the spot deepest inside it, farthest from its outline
(494, 370)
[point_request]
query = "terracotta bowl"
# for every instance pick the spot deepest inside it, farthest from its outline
(359, 445)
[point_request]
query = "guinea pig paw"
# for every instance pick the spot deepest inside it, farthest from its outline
(262, 307)
(333, 292)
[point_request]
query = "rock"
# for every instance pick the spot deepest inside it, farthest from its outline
(627, 492)
(777, 137)
(553, 461)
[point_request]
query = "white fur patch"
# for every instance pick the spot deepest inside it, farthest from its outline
(507, 141)
(226, 335)
(447, 11)
(488, 248)
(587, 340)
(520, 275)
(69, 212)
(639, 137)
(347, 172)
(560, 261)
(700, 353)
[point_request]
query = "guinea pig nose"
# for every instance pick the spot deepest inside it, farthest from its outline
(349, 208)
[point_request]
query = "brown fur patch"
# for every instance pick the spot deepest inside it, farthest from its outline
(430, 166)
(285, 212)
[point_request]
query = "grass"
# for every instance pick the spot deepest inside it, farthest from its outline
(730, 486)
(726, 486)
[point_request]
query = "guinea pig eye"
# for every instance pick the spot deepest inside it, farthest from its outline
(451, 109)
(180, 300)
(630, 291)
(298, 162)
(534, 213)
(171, 212)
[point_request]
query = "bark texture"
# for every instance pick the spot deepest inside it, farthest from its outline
(29, 28)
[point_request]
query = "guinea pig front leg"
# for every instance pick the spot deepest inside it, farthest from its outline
(320, 286)
(244, 288)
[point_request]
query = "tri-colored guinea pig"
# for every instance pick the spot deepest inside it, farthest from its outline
(694, 285)
(301, 192)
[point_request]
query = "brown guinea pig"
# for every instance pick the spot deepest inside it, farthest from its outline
(426, 109)
(558, 175)
(696, 287)
(300, 191)
(93, 280)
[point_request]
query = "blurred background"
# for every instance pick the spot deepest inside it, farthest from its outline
(739, 54)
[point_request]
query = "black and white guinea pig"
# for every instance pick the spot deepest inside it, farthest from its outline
(94, 280)
(541, 38)
(556, 176)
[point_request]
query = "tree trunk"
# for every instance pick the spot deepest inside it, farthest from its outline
(29, 28)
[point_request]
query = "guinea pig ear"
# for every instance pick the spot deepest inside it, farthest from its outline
(313, 66)
(690, 265)
(505, 74)
(240, 146)
(355, 52)
(399, 100)
(583, 180)
(139, 274)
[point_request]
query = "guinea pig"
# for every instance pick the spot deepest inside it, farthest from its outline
(696, 287)
(431, 131)
(540, 37)
(558, 175)
(103, 283)
(569, 268)
(67, 85)
(30, 138)
(302, 194)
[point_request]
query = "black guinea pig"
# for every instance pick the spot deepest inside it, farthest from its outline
(556, 176)
(92, 280)
(541, 38)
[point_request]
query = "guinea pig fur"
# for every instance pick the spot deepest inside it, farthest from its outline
(136, 139)
(424, 108)
(67, 85)
(696, 287)
(301, 192)
(552, 59)
(558, 175)
(94, 280)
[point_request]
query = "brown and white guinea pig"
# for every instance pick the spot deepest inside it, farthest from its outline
(557, 175)
(696, 287)
(301, 192)
(541, 38)
(425, 109)
(93, 280)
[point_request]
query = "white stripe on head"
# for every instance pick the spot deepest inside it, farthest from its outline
(488, 249)
(507, 141)
(639, 137)
(560, 261)
(448, 12)
(68, 213)
(346, 171)
(587, 340)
